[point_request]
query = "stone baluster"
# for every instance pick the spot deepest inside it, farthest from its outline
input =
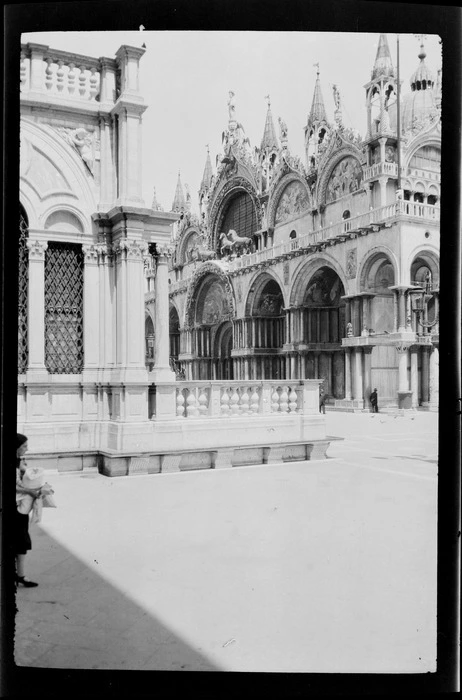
(284, 399)
(203, 401)
(254, 400)
(82, 81)
(244, 403)
(191, 408)
(224, 403)
(275, 400)
(49, 74)
(234, 402)
(23, 72)
(60, 76)
(180, 404)
(71, 76)
(93, 84)
(292, 400)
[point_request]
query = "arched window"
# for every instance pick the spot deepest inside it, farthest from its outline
(240, 216)
(346, 214)
(293, 234)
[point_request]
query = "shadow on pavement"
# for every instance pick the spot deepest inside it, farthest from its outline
(75, 619)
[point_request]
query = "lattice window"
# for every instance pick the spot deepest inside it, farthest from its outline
(64, 308)
(240, 216)
(23, 288)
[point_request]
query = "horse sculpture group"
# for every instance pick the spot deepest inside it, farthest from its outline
(233, 243)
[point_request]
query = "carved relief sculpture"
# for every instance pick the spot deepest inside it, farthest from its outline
(345, 178)
(293, 202)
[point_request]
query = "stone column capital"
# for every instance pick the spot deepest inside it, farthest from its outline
(130, 250)
(37, 249)
(90, 253)
(402, 348)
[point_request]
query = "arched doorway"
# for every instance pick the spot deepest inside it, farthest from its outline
(377, 279)
(210, 307)
(266, 330)
(222, 346)
(320, 330)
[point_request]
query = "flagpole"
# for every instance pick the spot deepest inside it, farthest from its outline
(398, 113)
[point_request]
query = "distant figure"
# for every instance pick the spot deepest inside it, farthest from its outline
(322, 401)
(374, 401)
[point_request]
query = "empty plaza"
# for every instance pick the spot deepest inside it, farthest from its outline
(314, 566)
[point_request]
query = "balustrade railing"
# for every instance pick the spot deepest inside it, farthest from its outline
(202, 399)
(383, 168)
(61, 73)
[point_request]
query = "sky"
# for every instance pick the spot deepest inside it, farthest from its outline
(185, 77)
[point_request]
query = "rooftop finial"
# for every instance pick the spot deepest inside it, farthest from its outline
(267, 97)
(316, 65)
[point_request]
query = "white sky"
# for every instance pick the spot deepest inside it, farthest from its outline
(185, 77)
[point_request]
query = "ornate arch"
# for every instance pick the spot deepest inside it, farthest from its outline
(345, 151)
(183, 241)
(256, 285)
(368, 260)
(278, 188)
(306, 269)
(44, 139)
(227, 192)
(430, 256)
(206, 269)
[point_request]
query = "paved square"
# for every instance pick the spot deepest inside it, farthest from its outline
(326, 566)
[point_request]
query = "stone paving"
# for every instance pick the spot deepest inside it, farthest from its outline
(322, 566)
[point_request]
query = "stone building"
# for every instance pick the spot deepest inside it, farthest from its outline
(96, 388)
(324, 268)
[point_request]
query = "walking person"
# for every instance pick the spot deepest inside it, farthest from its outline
(22, 541)
(374, 401)
(322, 401)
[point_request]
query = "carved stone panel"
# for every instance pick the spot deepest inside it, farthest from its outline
(345, 178)
(293, 202)
(351, 263)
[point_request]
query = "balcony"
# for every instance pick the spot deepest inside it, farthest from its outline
(385, 169)
(340, 231)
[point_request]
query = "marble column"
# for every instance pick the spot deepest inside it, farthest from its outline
(415, 375)
(293, 367)
(434, 378)
(401, 311)
(347, 374)
(91, 320)
(425, 376)
(36, 306)
(358, 385)
(403, 352)
(367, 375)
(161, 370)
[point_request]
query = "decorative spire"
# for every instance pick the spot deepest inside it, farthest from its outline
(269, 141)
(179, 203)
(155, 206)
(422, 78)
(208, 173)
(383, 66)
(318, 111)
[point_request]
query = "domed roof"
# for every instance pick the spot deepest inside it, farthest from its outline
(422, 78)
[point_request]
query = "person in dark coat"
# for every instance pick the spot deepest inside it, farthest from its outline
(374, 401)
(22, 541)
(322, 401)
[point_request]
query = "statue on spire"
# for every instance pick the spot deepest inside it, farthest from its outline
(231, 106)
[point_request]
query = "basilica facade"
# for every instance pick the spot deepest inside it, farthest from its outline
(322, 266)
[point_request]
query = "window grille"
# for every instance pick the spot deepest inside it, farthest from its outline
(23, 288)
(240, 216)
(64, 308)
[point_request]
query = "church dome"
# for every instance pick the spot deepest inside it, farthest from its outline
(420, 102)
